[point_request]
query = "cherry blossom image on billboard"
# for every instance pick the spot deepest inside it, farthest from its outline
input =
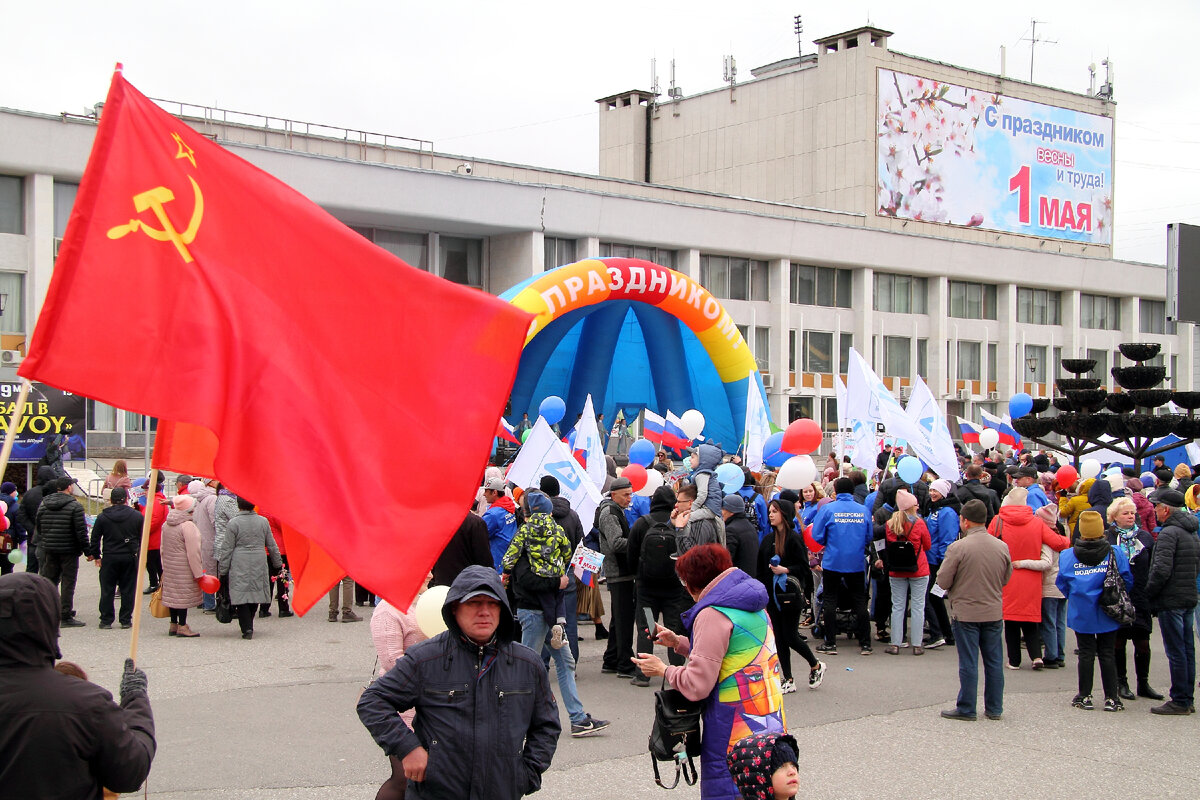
(963, 156)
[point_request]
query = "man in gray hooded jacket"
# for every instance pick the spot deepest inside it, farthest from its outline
(486, 724)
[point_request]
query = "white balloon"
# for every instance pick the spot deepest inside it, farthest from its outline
(654, 479)
(692, 422)
(1089, 468)
(429, 610)
(988, 438)
(796, 473)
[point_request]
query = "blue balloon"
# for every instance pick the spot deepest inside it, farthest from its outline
(571, 439)
(909, 469)
(1019, 405)
(642, 452)
(731, 477)
(552, 409)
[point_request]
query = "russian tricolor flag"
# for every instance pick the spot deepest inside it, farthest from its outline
(1002, 426)
(673, 435)
(653, 427)
(968, 431)
(506, 432)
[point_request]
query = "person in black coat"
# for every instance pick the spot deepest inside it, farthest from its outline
(62, 737)
(469, 545)
(974, 489)
(658, 587)
(784, 542)
(1171, 590)
(741, 537)
(1123, 532)
(116, 541)
(29, 504)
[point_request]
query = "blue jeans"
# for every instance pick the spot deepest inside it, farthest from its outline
(533, 635)
(209, 602)
(912, 590)
(1176, 627)
(972, 640)
(1054, 627)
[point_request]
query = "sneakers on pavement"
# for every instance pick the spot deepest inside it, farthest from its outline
(935, 643)
(1113, 704)
(788, 686)
(71, 622)
(589, 727)
(866, 650)
(350, 616)
(556, 637)
(816, 675)
(1084, 702)
(827, 649)
(640, 681)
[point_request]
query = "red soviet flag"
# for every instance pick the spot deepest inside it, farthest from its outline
(352, 396)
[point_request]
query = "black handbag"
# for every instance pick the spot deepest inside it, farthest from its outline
(901, 554)
(790, 599)
(223, 610)
(1114, 598)
(676, 734)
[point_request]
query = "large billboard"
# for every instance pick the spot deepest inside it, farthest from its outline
(51, 415)
(968, 157)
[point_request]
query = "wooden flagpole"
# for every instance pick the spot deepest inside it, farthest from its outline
(143, 549)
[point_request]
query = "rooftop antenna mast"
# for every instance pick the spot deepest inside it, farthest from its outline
(730, 75)
(798, 26)
(654, 82)
(1033, 43)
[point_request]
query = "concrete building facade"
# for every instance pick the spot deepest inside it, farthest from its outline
(766, 197)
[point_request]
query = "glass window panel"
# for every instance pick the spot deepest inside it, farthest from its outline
(800, 408)
(883, 292)
(1101, 370)
(897, 356)
(844, 355)
(902, 302)
(760, 282)
(968, 361)
(1035, 354)
(739, 279)
(920, 301)
(791, 351)
(12, 286)
(804, 284)
(843, 292)
(826, 287)
(974, 306)
(12, 204)
(714, 275)
(958, 294)
(559, 252)
(64, 201)
(1025, 305)
(923, 357)
(462, 261)
(818, 351)
(991, 365)
(829, 417)
(989, 302)
(411, 248)
(762, 348)
(101, 417)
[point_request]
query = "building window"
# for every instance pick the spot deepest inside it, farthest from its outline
(664, 258)
(12, 285)
(1035, 355)
(762, 348)
(923, 357)
(12, 204)
(791, 351)
(1097, 311)
(818, 351)
(897, 356)
(101, 417)
(844, 355)
(411, 248)
(901, 294)
(829, 420)
(558, 252)
(462, 261)
(993, 370)
(734, 278)
(1101, 370)
(1039, 307)
(969, 366)
(972, 300)
(64, 201)
(800, 408)
(820, 286)
(1152, 317)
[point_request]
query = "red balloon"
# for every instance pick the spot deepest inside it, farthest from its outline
(636, 474)
(802, 437)
(810, 542)
(1066, 476)
(209, 583)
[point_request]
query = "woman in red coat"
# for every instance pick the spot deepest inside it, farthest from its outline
(1024, 533)
(908, 585)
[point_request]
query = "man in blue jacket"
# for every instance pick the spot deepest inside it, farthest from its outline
(501, 518)
(844, 528)
(1026, 478)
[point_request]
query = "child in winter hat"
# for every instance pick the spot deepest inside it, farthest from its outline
(765, 766)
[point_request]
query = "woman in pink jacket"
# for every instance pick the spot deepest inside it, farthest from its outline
(394, 631)
(181, 565)
(1024, 532)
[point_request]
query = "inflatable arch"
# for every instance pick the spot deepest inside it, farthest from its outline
(634, 335)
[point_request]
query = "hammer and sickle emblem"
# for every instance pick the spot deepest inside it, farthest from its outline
(155, 199)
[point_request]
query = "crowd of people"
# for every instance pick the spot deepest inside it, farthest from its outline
(997, 562)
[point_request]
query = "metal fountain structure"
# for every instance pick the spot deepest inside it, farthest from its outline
(1088, 411)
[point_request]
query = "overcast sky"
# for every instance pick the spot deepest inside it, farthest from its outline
(518, 81)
